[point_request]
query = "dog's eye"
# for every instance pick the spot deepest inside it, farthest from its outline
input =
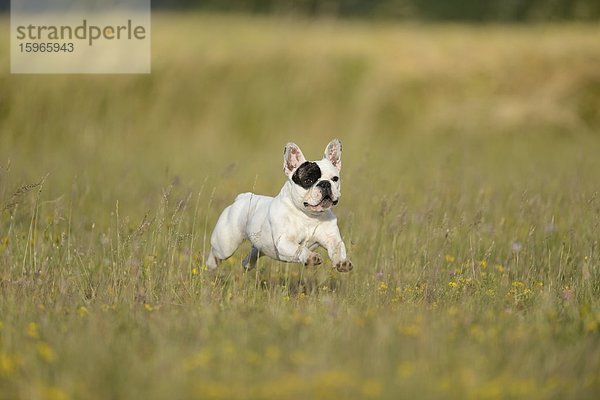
(335, 178)
(308, 181)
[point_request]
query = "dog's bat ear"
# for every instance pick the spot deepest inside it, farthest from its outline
(333, 153)
(292, 158)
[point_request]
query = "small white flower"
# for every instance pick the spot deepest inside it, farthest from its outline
(516, 247)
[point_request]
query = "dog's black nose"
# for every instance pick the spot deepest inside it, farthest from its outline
(325, 187)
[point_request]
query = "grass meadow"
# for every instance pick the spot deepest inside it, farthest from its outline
(470, 207)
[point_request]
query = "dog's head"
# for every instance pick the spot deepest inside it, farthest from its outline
(315, 185)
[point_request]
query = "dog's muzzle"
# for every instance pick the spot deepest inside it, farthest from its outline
(326, 196)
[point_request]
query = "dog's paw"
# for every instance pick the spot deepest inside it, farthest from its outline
(344, 266)
(313, 259)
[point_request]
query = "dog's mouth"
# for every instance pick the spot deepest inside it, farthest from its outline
(326, 203)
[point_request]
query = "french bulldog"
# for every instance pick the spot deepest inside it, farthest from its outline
(289, 226)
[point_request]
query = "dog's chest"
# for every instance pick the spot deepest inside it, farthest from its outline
(304, 234)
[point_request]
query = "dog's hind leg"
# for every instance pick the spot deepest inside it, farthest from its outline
(212, 261)
(249, 262)
(228, 234)
(223, 245)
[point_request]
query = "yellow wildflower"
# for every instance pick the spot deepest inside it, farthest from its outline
(252, 358)
(54, 393)
(83, 311)
(371, 388)
(477, 332)
(106, 307)
(449, 258)
(7, 365)
(199, 360)
(32, 330)
(591, 326)
(46, 352)
(410, 330)
(273, 353)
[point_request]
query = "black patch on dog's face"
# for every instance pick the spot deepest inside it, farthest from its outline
(307, 174)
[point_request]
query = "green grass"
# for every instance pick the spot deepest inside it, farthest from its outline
(470, 208)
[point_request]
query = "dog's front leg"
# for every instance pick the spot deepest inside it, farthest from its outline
(336, 249)
(292, 252)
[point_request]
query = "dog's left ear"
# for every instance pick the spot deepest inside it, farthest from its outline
(333, 152)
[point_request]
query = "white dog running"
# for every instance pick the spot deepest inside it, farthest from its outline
(289, 226)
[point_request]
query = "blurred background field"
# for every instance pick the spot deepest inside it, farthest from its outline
(470, 208)
(423, 10)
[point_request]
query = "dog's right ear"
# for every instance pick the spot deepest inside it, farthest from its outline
(292, 158)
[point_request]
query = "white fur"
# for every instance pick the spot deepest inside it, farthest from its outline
(289, 226)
